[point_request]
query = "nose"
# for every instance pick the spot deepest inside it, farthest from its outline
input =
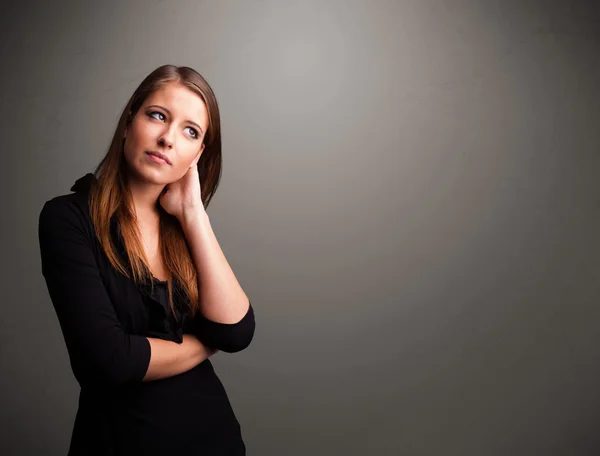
(166, 140)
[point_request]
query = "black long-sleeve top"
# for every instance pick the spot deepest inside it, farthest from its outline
(105, 320)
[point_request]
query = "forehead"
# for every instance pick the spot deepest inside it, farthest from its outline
(181, 101)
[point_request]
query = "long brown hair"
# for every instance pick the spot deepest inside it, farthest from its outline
(110, 196)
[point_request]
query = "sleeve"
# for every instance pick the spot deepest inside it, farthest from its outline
(227, 337)
(100, 351)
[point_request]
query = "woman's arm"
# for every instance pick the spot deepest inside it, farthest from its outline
(226, 319)
(229, 338)
(100, 351)
(170, 358)
(222, 299)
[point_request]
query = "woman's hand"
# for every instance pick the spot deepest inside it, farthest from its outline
(169, 358)
(193, 341)
(184, 197)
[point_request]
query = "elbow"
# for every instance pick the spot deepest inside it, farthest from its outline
(228, 338)
(238, 341)
(128, 363)
(240, 335)
(120, 365)
(113, 374)
(116, 374)
(92, 374)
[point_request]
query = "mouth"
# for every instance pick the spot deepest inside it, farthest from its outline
(157, 157)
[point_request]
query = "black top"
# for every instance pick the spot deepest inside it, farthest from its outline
(105, 319)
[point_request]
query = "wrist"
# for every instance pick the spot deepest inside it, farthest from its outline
(193, 219)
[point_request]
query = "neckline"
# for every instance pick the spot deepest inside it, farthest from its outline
(160, 281)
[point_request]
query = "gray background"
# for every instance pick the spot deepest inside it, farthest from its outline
(409, 197)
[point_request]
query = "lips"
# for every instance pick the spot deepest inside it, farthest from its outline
(155, 154)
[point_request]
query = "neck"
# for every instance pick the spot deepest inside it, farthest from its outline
(145, 200)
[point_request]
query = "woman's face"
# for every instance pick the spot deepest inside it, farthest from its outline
(172, 121)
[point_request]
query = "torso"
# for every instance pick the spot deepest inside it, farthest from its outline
(188, 413)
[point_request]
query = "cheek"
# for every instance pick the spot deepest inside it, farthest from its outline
(142, 132)
(136, 139)
(183, 164)
(181, 169)
(131, 146)
(188, 155)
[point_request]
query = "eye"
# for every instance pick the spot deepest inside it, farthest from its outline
(193, 133)
(157, 115)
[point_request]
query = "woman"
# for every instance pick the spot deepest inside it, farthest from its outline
(141, 288)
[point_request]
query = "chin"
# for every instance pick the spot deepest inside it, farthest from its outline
(150, 175)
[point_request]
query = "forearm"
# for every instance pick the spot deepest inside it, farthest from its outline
(170, 358)
(221, 297)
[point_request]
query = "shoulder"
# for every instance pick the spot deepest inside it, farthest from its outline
(65, 210)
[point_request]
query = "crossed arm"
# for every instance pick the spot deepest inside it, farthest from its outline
(99, 349)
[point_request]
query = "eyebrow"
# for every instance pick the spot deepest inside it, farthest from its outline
(169, 112)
